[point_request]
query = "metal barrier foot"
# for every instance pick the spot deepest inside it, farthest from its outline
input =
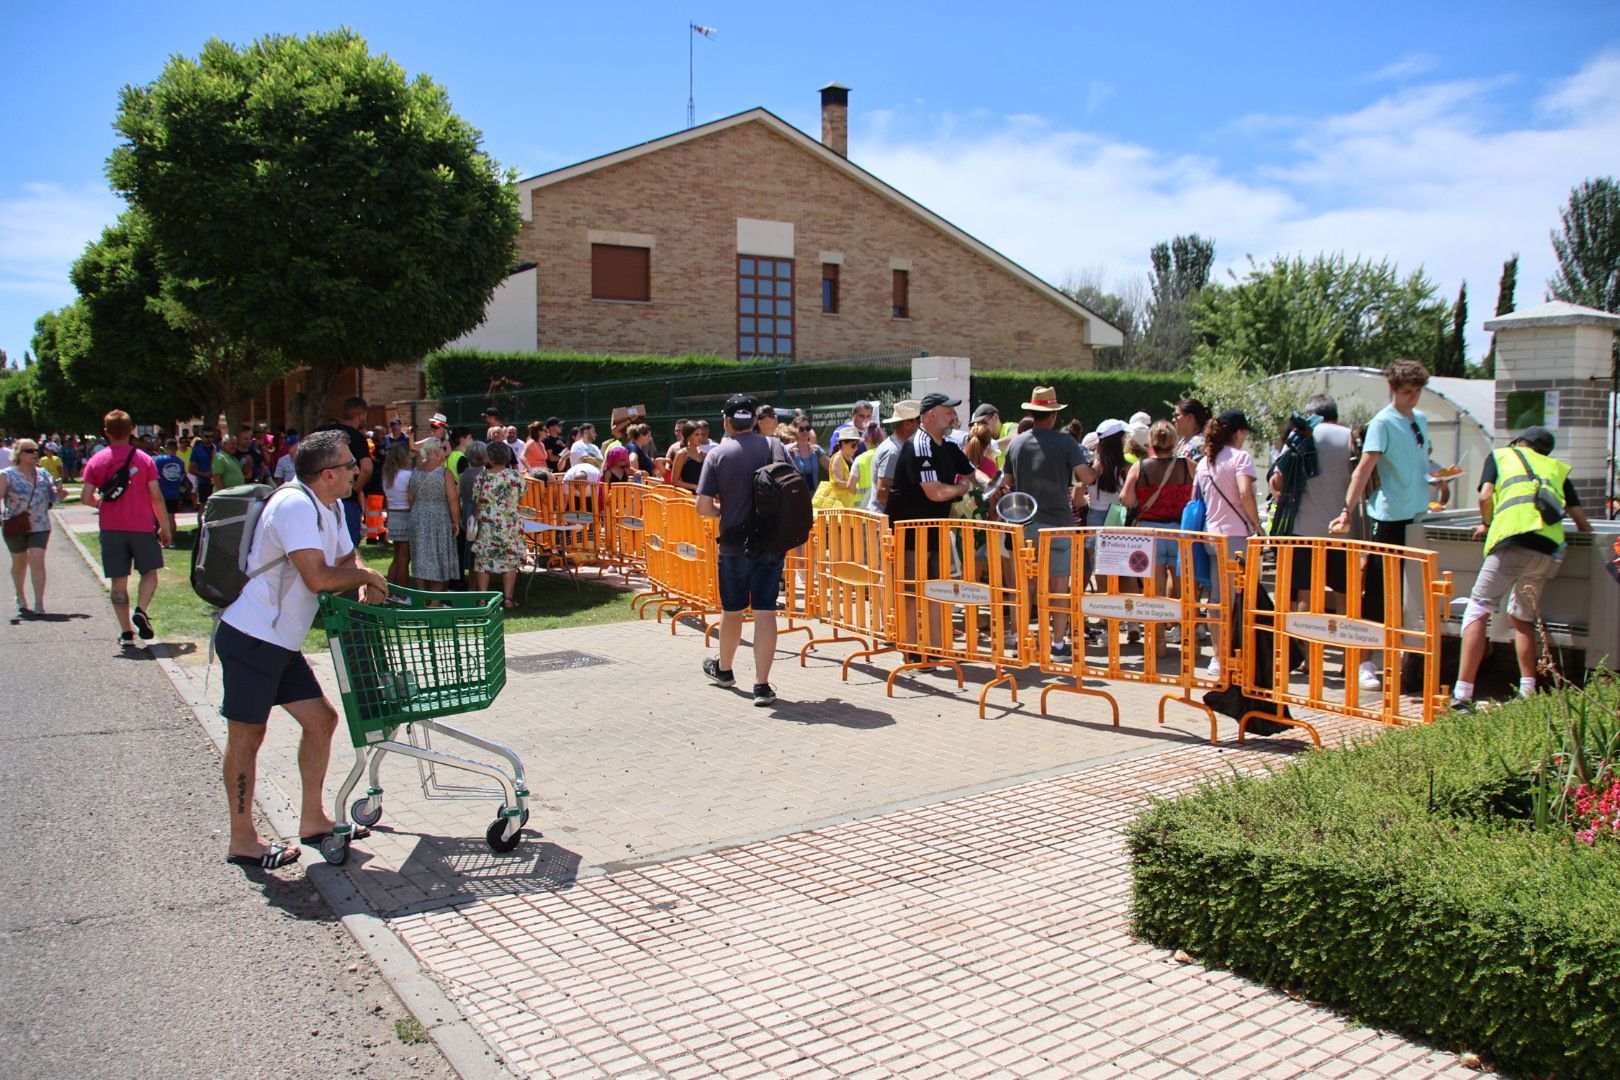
(852, 657)
(1186, 699)
(814, 641)
(1078, 689)
(1243, 724)
(1001, 677)
(922, 664)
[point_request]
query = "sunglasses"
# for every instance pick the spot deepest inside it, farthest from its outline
(352, 463)
(1417, 432)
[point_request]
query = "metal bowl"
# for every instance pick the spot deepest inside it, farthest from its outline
(1016, 507)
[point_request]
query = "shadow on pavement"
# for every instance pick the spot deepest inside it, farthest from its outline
(446, 869)
(835, 711)
(49, 616)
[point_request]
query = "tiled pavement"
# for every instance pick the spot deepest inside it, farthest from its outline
(843, 885)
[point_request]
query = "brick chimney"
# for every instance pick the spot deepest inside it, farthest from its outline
(835, 118)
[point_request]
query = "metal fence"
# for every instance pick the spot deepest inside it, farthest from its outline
(825, 395)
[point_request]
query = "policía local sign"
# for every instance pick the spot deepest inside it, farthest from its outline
(1124, 555)
(1335, 629)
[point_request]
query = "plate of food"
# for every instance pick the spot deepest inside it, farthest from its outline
(1447, 473)
(1436, 507)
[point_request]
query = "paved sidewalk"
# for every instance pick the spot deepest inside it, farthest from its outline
(844, 884)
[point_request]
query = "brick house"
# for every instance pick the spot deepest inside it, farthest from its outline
(746, 237)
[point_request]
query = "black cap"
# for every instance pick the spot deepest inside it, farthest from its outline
(552, 421)
(490, 410)
(1233, 420)
(741, 408)
(1538, 439)
(935, 400)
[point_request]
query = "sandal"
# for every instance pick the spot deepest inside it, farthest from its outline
(275, 856)
(509, 604)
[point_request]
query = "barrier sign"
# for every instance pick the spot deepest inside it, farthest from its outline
(1335, 630)
(957, 592)
(1138, 608)
(1124, 554)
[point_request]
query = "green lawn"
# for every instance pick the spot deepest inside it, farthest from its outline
(553, 601)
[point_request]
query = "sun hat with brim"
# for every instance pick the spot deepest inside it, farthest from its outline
(1044, 399)
(439, 420)
(1110, 427)
(847, 433)
(909, 409)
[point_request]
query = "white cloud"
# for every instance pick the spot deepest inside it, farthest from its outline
(43, 228)
(1417, 63)
(1421, 176)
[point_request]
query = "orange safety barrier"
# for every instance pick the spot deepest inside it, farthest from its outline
(1322, 629)
(625, 546)
(962, 595)
(850, 581)
(1130, 591)
(565, 525)
(376, 522)
(690, 543)
(657, 564)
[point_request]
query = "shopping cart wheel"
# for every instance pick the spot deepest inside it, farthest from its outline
(495, 837)
(364, 816)
(524, 820)
(335, 850)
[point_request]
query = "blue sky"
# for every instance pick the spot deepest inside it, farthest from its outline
(1072, 137)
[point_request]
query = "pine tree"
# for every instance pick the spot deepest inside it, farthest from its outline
(1504, 304)
(1458, 352)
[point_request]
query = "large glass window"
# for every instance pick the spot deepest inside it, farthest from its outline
(764, 307)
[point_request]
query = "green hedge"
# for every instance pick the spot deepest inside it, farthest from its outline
(1091, 396)
(463, 371)
(1384, 880)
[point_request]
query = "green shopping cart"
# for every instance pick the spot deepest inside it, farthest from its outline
(404, 664)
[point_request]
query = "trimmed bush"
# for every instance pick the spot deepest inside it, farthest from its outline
(1398, 880)
(1092, 396)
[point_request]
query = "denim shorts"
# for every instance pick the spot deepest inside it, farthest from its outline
(751, 582)
(1062, 548)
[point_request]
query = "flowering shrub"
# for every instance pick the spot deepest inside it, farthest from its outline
(1597, 812)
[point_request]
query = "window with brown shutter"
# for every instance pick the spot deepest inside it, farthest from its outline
(620, 273)
(902, 294)
(829, 288)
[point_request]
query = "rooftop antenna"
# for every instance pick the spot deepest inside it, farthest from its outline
(691, 37)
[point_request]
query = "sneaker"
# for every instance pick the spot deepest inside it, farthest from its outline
(1172, 634)
(1063, 651)
(1462, 705)
(1214, 669)
(722, 679)
(127, 639)
(764, 695)
(1368, 676)
(1133, 636)
(143, 623)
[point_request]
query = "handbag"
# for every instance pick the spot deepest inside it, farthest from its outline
(118, 483)
(18, 525)
(1115, 516)
(1548, 503)
(1194, 516)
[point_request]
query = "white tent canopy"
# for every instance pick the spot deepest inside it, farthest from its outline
(1461, 412)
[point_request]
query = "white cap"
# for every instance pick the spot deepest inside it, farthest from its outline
(1141, 418)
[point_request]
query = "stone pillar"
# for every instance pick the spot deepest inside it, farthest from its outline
(1562, 353)
(950, 375)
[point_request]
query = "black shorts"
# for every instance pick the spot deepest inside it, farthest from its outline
(174, 505)
(120, 548)
(1334, 574)
(260, 675)
(34, 541)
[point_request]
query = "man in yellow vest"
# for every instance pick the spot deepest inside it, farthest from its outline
(1522, 552)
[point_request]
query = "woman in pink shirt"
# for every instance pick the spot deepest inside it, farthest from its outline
(1226, 480)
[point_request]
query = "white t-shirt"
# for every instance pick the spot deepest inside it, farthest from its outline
(5, 456)
(277, 606)
(583, 471)
(286, 471)
(399, 497)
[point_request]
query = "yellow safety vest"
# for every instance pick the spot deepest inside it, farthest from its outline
(1513, 500)
(863, 472)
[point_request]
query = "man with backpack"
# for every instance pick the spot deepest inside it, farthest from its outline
(750, 561)
(299, 548)
(122, 481)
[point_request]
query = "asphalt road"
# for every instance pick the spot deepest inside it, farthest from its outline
(128, 947)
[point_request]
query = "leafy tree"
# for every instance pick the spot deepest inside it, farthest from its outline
(5, 361)
(58, 335)
(1504, 304)
(306, 197)
(1588, 250)
(146, 352)
(1296, 313)
(1126, 309)
(17, 413)
(1181, 269)
(1450, 350)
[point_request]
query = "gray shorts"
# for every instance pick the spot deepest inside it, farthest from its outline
(1517, 573)
(119, 549)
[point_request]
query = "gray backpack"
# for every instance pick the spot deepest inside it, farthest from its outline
(219, 570)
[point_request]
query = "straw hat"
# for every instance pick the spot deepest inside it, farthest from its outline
(1044, 399)
(910, 409)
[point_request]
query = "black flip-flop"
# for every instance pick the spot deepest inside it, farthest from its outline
(275, 856)
(359, 832)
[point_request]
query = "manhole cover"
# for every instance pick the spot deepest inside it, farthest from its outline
(540, 663)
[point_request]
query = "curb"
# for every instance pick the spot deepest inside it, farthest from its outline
(457, 1039)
